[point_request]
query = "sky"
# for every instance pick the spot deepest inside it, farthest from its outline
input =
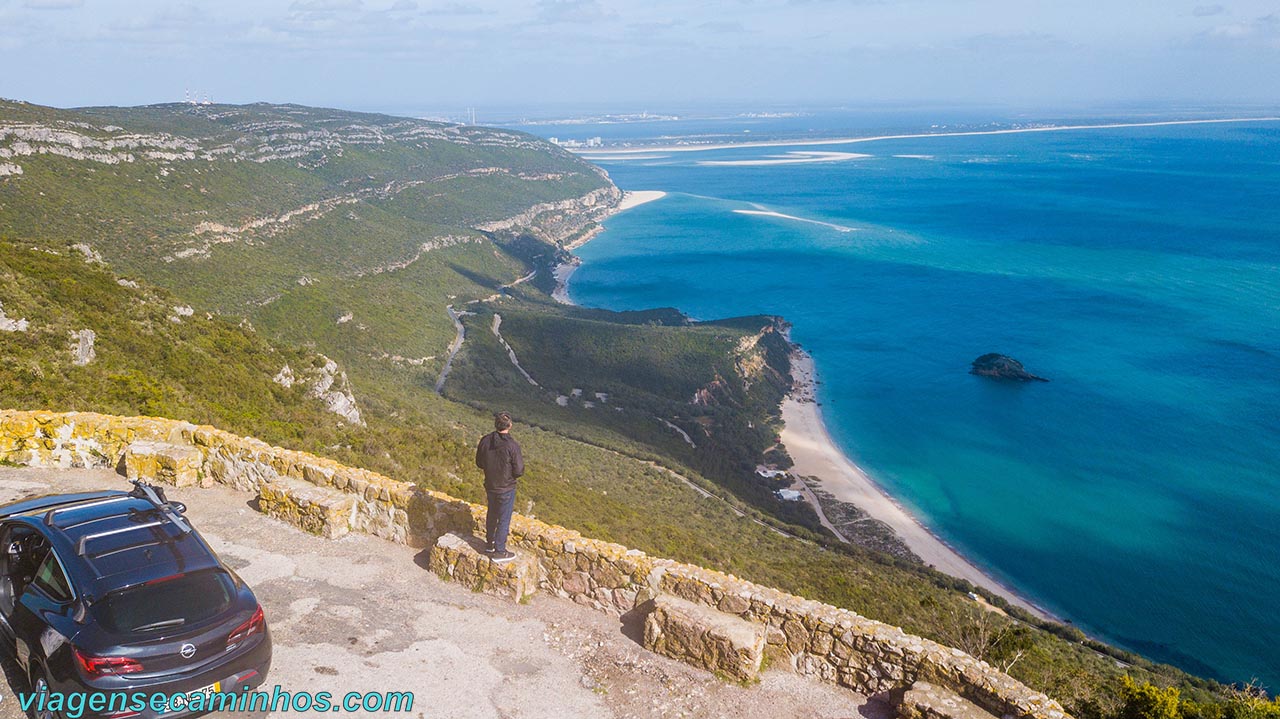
(446, 55)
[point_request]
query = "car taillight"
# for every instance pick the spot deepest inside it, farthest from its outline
(162, 580)
(106, 666)
(257, 624)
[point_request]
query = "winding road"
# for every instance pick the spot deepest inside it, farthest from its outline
(453, 346)
(497, 322)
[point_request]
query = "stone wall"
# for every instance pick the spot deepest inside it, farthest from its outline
(327, 498)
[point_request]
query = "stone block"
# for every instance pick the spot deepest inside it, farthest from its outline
(462, 559)
(175, 464)
(735, 604)
(316, 510)
(576, 583)
(705, 637)
(929, 701)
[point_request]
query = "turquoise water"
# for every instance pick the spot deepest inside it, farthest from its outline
(1138, 493)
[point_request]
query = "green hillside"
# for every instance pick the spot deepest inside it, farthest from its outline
(209, 248)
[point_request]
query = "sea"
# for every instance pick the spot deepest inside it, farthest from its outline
(1136, 494)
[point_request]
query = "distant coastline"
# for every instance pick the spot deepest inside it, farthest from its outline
(562, 271)
(621, 153)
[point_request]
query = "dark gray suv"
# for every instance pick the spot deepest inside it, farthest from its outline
(113, 594)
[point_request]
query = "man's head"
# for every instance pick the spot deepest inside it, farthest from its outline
(502, 422)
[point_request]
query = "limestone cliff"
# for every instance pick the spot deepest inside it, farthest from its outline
(560, 222)
(761, 356)
(326, 382)
(290, 136)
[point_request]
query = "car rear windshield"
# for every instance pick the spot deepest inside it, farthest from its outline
(166, 603)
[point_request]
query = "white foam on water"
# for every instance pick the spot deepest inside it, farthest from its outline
(790, 158)
(780, 216)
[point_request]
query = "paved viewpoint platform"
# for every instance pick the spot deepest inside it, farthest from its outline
(362, 614)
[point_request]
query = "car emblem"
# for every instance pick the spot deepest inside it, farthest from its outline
(188, 651)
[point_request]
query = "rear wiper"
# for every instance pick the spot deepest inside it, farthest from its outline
(161, 625)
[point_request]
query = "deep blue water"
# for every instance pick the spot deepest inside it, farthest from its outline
(1138, 493)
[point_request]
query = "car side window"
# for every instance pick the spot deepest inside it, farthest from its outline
(51, 580)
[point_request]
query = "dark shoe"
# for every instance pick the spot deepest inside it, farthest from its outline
(501, 557)
(490, 549)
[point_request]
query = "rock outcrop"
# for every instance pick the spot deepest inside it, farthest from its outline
(82, 352)
(179, 312)
(559, 222)
(327, 383)
(8, 324)
(1002, 367)
(330, 385)
(284, 377)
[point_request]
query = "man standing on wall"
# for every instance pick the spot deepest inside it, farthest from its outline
(498, 454)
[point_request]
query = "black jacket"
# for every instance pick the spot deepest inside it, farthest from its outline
(499, 456)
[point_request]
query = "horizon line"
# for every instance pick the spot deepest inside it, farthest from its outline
(601, 153)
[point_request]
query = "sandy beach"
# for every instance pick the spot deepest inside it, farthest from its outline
(561, 272)
(780, 216)
(635, 198)
(790, 158)
(816, 455)
(630, 199)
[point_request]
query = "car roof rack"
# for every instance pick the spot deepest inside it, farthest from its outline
(168, 514)
(48, 516)
(83, 542)
(155, 495)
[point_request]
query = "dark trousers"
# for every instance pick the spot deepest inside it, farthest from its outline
(497, 521)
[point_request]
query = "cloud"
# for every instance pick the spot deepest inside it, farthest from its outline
(455, 8)
(722, 26)
(344, 51)
(324, 6)
(53, 4)
(1264, 30)
(262, 35)
(842, 2)
(1020, 42)
(575, 11)
(178, 18)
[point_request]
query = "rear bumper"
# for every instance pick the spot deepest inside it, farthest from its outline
(237, 675)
